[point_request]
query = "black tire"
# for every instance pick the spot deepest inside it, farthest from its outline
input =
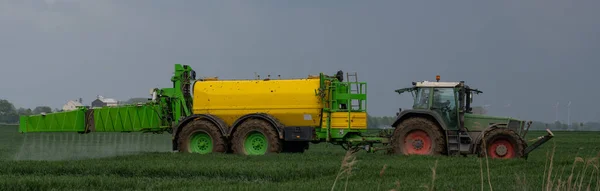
(256, 125)
(513, 146)
(425, 127)
(295, 146)
(218, 140)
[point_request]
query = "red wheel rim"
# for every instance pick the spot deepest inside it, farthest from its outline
(501, 149)
(417, 142)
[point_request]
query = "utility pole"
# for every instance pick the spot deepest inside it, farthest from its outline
(569, 114)
(556, 110)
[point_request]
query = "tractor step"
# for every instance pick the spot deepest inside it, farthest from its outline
(458, 143)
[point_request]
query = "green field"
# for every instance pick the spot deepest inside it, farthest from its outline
(106, 161)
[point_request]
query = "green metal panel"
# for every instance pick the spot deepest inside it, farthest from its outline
(171, 105)
(333, 93)
(69, 121)
(127, 118)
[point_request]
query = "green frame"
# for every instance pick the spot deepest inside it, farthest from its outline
(333, 93)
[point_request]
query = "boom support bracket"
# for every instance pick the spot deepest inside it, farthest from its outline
(540, 140)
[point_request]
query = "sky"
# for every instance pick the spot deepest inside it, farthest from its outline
(526, 56)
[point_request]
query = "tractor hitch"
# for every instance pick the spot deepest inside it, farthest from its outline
(540, 140)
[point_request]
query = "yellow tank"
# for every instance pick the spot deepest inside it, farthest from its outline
(292, 101)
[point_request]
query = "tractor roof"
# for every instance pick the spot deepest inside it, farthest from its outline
(436, 84)
(428, 84)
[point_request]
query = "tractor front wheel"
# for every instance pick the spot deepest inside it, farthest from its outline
(502, 143)
(256, 137)
(418, 136)
(201, 136)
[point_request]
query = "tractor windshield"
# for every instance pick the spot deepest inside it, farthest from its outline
(422, 98)
(444, 98)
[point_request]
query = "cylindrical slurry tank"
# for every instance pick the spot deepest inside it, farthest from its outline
(292, 101)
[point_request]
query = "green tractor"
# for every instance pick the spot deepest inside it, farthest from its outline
(441, 122)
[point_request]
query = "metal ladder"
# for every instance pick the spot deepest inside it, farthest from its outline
(356, 90)
(458, 143)
(355, 75)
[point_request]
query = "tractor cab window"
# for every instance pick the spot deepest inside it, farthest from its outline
(444, 103)
(444, 98)
(422, 98)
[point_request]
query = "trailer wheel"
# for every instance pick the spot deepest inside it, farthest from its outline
(502, 143)
(201, 136)
(256, 137)
(418, 136)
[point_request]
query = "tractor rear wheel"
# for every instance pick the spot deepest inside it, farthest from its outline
(418, 136)
(256, 137)
(201, 136)
(502, 143)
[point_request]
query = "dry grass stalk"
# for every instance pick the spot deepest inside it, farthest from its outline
(560, 181)
(346, 167)
(381, 175)
(545, 170)
(433, 175)
(549, 182)
(481, 172)
(570, 179)
(521, 181)
(597, 177)
(587, 164)
(572, 182)
(349, 171)
(594, 171)
(487, 163)
(397, 186)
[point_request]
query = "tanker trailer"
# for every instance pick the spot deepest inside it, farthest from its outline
(243, 116)
(258, 116)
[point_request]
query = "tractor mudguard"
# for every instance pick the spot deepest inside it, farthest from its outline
(479, 137)
(539, 140)
(420, 112)
(272, 120)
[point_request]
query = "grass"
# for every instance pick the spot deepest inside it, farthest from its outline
(144, 162)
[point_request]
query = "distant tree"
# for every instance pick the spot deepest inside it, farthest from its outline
(136, 100)
(42, 109)
(479, 110)
(372, 122)
(23, 111)
(8, 113)
(380, 122)
(592, 126)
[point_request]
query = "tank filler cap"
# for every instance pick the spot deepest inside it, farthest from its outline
(437, 78)
(340, 75)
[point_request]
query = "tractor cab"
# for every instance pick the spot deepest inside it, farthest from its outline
(448, 100)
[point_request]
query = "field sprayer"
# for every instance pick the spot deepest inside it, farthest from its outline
(260, 116)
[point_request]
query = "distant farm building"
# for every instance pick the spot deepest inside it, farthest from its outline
(104, 102)
(72, 105)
